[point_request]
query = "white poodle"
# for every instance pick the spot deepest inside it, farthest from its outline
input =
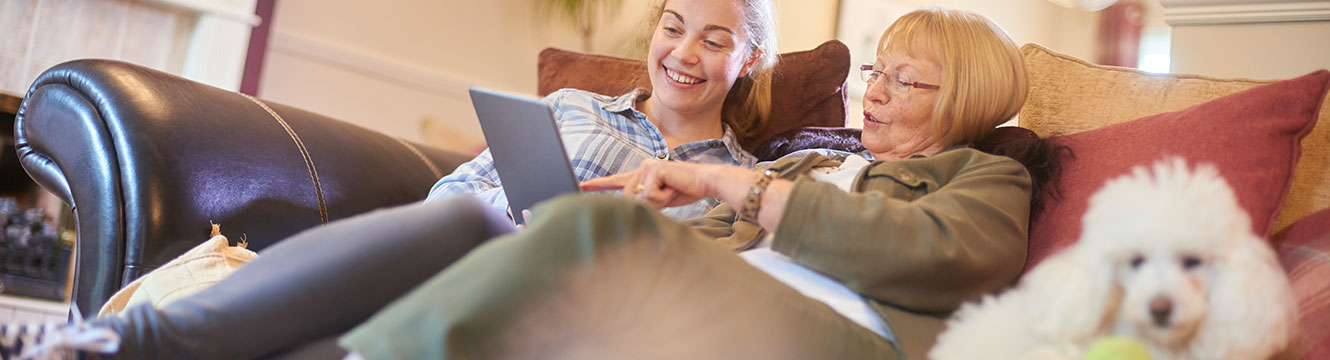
(1166, 258)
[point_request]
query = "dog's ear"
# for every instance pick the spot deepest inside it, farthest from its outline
(1072, 294)
(1250, 312)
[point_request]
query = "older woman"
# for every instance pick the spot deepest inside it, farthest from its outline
(844, 257)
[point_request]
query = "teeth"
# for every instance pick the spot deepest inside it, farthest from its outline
(681, 77)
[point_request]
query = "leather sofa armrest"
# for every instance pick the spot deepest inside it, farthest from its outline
(147, 160)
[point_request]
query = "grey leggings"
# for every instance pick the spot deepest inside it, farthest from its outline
(593, 277)
(311, 286)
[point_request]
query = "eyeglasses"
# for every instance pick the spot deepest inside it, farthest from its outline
(894, 82)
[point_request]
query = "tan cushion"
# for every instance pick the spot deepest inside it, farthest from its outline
(1069, 95)
(200, 267)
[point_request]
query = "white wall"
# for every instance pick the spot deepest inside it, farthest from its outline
(390, 66)
(1258, 51)
(1261, 39)
(402, 67)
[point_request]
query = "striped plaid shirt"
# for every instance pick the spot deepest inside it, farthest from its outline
(603, 136)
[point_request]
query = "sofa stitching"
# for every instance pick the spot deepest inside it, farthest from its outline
(304, 153)
(433, 169)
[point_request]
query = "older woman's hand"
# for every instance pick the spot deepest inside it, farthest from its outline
(673, 183)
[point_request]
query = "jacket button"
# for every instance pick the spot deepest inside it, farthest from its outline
(661, 156)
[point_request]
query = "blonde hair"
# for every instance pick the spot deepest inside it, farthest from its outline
(746, 117)
(983, 74)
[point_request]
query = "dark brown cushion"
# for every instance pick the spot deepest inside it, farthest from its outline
(807, 88)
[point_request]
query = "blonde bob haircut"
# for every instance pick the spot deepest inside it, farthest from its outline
(983, 74)
(750, 114)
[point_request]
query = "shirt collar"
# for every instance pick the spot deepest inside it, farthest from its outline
(626, 101)
(629, 101)
(731, 141)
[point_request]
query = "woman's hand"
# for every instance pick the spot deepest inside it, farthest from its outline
(673, 183)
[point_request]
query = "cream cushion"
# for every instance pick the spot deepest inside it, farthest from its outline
(1069, 95)
(200, 267)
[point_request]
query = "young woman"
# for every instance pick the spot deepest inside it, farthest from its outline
(697, 53)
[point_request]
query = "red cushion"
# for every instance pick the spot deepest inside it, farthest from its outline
(1251, 136)
(1304, 251)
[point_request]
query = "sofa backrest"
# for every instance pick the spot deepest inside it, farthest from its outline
(1070, 95)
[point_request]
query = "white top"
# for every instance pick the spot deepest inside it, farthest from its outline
(811, 283)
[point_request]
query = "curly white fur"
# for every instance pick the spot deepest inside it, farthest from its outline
(1165, 257)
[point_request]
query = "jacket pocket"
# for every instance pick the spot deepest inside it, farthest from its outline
(895, 181)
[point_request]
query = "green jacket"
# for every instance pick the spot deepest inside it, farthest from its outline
(917, 237)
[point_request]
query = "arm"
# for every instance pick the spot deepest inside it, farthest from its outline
(926, 253)
(477, 177)
(897, 241)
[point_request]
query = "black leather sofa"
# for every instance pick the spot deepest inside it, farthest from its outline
(147, 160)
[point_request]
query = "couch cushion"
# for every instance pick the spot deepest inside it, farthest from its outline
(1069, 95)
(1304, 251)
(1252, 137)
(191, 272)
(807, 87)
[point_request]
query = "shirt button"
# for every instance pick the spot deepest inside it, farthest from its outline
(715, 144)
(661, 156)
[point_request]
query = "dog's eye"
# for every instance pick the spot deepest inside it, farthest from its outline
(1136, 261)
(1190, 262)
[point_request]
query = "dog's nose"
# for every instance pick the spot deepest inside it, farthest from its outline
(1160, 308)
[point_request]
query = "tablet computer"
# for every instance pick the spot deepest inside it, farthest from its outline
(528, 151)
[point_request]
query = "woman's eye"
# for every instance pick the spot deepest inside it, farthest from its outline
(672, 30)
(713, 44)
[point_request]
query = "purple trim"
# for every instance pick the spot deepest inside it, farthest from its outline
(258, 47)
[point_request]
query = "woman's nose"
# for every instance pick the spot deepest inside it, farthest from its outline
(686, 52)
(877, 93)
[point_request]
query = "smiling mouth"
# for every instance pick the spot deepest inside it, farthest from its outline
(869, 118)
(681, 78)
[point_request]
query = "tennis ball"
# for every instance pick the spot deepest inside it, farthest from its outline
(1117, 348)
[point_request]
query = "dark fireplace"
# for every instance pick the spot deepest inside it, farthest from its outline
(34, 259)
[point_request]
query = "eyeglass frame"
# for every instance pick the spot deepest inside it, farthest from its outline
(869, 75)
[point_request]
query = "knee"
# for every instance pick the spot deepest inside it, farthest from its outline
(469, 212)
(590, 209)
(597, 221)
